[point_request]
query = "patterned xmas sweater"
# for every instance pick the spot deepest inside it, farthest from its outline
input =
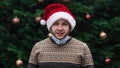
(74, 54)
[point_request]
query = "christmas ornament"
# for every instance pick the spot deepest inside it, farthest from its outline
(107, 60)
(88, 16)
(49, 34)
(40, 1)
(37, 19)
(103, 35)
(19, 62)
(67, 0)
(16, 20)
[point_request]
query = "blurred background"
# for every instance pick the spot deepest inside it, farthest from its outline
(98, 24)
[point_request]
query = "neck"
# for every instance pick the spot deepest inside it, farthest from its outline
(60, 41)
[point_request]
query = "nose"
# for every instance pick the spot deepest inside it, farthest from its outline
(60, 27)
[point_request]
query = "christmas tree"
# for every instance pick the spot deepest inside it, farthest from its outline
(98, 24)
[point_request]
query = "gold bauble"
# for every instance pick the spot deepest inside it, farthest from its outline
(19, 62)
(40, 1)
(16, 20)
(67, 1)
(37, 19)
(49, 34)
(103, 35)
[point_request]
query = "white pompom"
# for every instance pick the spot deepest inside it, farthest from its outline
(42, 22)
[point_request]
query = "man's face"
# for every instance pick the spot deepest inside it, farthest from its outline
(60, 28)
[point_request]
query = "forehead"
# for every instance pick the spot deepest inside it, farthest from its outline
(63, 20)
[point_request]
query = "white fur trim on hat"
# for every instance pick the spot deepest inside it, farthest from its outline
(64, 15)
(42, 22)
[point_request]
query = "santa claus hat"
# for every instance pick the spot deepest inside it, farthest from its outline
(53, 12)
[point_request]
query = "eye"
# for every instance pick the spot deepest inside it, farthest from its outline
(65, 23)
(56, 23)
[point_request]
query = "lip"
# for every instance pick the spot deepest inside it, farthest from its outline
(59, 34)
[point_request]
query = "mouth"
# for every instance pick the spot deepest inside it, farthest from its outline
(60, 34)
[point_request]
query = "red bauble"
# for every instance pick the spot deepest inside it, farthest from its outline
(16, 20)
(88, 16)
(37, 19)
(107, 60)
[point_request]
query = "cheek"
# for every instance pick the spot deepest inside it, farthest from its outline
(67, 29)
(52, 29)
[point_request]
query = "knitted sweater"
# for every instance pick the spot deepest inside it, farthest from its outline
(74, 54)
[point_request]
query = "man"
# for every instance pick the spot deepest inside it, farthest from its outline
(60, 50)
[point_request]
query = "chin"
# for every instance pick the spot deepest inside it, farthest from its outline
(58, 37)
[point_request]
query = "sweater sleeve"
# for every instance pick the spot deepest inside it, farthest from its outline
(30, 65)
(87, 60)
(33, 63)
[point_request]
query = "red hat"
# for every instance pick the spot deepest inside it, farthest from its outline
(53, 12)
